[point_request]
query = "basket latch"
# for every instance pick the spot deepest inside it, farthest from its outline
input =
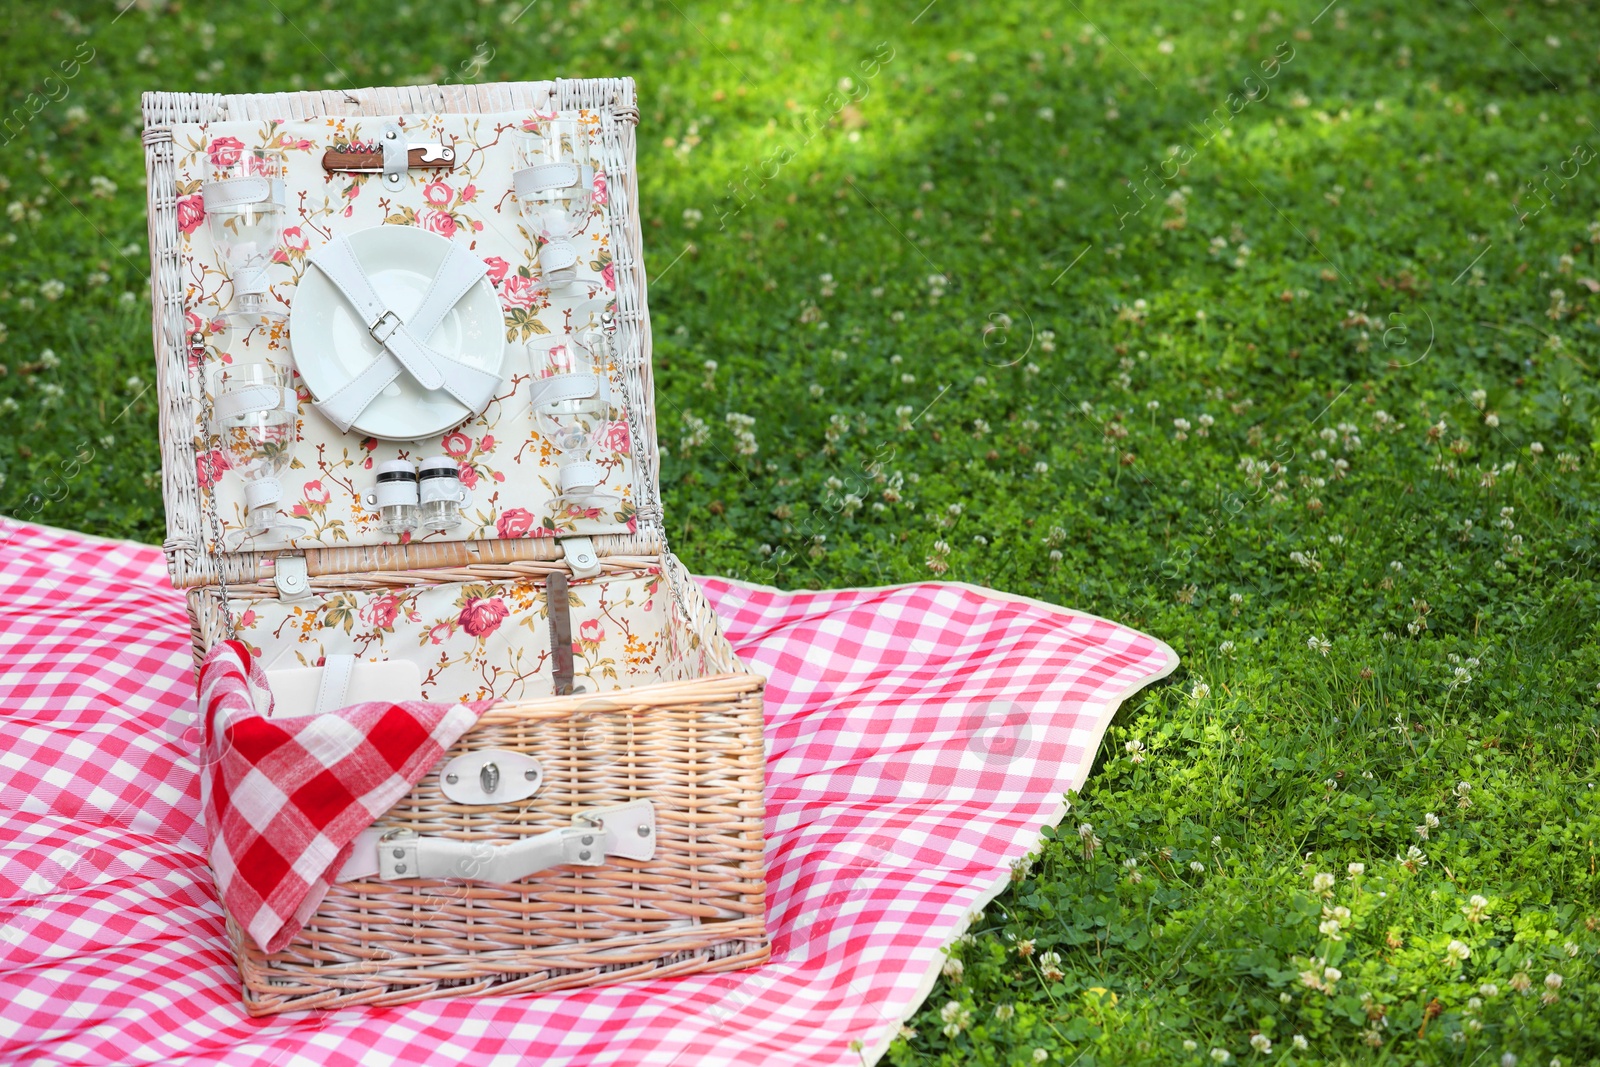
(581, 556)
(289, 575)
(490, 776)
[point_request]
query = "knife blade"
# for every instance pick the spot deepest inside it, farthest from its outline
(560, 632)
(433, 154)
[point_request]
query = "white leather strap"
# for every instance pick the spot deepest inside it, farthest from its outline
(560, 387)
(396, 154)
(403, 340)
(250, 399)
(335, 682)
(558, 253)
(580, 475)
(259, 492)
(337, 260)
(230, 193)
(531, 180)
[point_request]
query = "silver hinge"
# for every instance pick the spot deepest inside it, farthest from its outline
(581, 556)
(289, 575)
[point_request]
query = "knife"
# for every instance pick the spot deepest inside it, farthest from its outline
(560, 632)
(419, 155)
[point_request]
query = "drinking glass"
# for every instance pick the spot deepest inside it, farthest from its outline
(254, 413)
(246, 231)
(555, 190)
(572, 403)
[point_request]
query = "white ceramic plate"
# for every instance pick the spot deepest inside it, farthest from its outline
(331, 344)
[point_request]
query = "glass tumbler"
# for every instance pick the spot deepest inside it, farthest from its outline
(245, 215)
(254, 412)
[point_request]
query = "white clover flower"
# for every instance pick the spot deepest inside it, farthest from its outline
(1040, 1055)
(52, 289)
(1190, 1044)
(1319, 644)
(1330, 929)
(1200, 692)
(954, 969)
(1552, 981)
(1457, 951)
(1489, 989)
(1004, 1012)
(1300, 1043)
(1323, 882)
(1197, 867)
(1221, 1055)
(1357, 869)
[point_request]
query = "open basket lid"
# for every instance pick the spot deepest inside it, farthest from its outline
(503, 326)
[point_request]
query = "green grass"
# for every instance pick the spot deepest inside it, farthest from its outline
(963, 354)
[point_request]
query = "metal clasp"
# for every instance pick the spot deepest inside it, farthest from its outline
(397, 854)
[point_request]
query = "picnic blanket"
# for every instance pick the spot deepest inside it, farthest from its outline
(918, 738)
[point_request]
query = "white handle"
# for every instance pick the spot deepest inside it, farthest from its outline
(627, 830)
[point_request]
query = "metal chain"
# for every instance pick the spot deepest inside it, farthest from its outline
(647, 467)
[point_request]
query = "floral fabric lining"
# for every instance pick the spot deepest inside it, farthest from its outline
(474, 640)
(504, 462)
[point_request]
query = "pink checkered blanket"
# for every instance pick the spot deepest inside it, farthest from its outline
(918, 738)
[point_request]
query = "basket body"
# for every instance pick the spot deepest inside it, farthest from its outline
(669, 713)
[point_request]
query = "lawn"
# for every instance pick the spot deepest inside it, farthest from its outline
(1269, 331)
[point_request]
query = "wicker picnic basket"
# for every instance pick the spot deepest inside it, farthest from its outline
(667, 714)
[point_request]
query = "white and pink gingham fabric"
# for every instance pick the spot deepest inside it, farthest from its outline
(918, 738)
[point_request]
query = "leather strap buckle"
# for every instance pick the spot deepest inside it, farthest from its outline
(385, 326)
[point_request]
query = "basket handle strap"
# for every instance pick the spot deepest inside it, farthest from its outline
(626, 830)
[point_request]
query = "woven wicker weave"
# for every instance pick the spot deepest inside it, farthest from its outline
(689, 741)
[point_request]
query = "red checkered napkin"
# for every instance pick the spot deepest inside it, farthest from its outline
(285, 798)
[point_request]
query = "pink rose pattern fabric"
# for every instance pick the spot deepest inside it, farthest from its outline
(473, 640)
(503, 461)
